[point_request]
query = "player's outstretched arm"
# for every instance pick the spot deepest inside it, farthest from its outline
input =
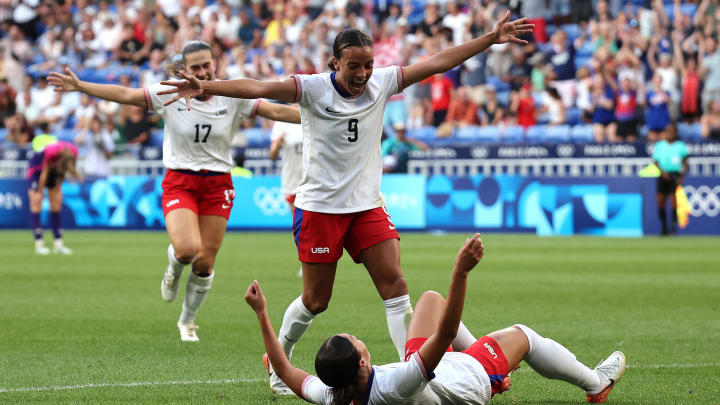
(119, 94)
(505, 31)
(279, 112)
(285, 90)
(434, 348)
(292, 376)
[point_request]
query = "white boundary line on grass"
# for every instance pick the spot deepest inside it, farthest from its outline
(254, 380)
(132, 384)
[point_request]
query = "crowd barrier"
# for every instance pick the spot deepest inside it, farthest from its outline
(503, 203)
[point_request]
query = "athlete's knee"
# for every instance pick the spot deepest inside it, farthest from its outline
(431, 295)
(315, 305)
(203, 264)
(186, 252)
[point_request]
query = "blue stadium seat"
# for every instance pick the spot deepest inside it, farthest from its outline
(469, 133)
(587, 49)
(498, 84)
(503, 98)
(572, 30)
(536, 133)
(557, 134)
(573, 116)
(488, 134)
(156, 137)
(257, 136)
(512, 134)
(3, 133)
(425, 134)
(66, 134)
(689, 9)
(543, 119)
(582, 134)
(690, 132)
(581, 61)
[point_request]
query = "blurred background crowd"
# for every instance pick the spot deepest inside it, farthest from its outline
(595, 70)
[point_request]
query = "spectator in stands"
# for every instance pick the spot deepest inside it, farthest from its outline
(522, 105)
(626, 112)
(670, 80)
(155, 71)
(440, 94)
(136, 126)
(539, 72)
(131, 50)
(99, 147)
(55, 114)
(690, 79)
(710, 122)
(396, 150)
(84, 112)
(462, 111)
(670, 155)
(416, 118)
(19, 131)
(584, 93)
(491, 112)
(657, 114)
(603, 101)
(562, 59)
(430, 25)
(553, 106)
(7, 99)
(710, 70)
(520, 70)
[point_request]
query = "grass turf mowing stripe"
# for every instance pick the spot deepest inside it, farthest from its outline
(132, 384)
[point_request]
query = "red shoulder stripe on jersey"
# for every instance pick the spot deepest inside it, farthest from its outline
(302, 387)
(298, 89)
(253, 113)
(147, 99)
(421, 364)
(400, 79)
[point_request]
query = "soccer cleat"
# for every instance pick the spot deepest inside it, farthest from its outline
(62, 250)
(610, 370)
(42, 250)
(187, 332)
(169, 285)
(276, 384)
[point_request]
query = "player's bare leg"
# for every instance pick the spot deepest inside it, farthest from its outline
(35, 198)
(55, 198)
(318, 280)
(428, 312)
(185, 242)
(661, 201)
(212, 232)
(382, 262)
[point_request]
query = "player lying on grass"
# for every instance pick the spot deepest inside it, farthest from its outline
(432, 373)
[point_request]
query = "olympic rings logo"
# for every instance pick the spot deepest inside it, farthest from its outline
(703, 200)
(271, 201)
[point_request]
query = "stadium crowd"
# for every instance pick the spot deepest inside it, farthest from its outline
(595, 71)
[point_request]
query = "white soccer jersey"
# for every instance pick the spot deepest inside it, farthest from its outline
(199, 139)
(459, 379)
(290, 153)
(341, 142)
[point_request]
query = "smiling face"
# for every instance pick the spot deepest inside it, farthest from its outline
(200, 64)
(354, 68)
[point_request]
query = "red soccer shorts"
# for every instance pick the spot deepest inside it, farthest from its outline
(485, 350)
(320, 237)
(204, 193)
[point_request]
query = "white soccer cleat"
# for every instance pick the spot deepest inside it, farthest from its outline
(610, 371)
(62, 250)
(42, 250)
(169, 285)
(187, 332)
(276, 384)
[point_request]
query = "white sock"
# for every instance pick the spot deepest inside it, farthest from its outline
(295, 322)
(195, 292)
(39, 243)
(398, 312)
(464, 338)
(176, 264)
(59, 243)
(552, 360)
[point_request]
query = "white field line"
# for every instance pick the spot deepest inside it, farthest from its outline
(254, 380)
(132, 384)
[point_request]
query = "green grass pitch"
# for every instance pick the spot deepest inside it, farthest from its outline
(92, 328)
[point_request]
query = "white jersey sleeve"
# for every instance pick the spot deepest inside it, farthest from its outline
(314, 391)
(405, 381)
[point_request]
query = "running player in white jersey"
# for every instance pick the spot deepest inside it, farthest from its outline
(287, 142)
(433, 372)
(339, 204)
(197, 189)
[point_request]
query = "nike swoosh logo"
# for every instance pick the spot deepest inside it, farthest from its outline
(331, 111)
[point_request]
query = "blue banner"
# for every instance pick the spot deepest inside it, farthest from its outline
(546, 206)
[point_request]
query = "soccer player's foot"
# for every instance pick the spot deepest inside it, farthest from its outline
(42, 250)
(187, 332)
(169, 285)
(276, 384)
(610, 371)
(62, 250)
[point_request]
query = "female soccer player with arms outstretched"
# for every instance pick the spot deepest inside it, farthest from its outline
(339, 204)
(197, 188)
(433, 373)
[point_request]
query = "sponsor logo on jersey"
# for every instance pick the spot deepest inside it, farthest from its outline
(221, 112)
(172, 202)
(320, 250)
(491, 350)
(225, 206)
(330, 110)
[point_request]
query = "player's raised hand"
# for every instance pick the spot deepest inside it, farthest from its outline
(470, 254)
(64, 82)
(254, 297)
(508, 31)
(189, 88)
